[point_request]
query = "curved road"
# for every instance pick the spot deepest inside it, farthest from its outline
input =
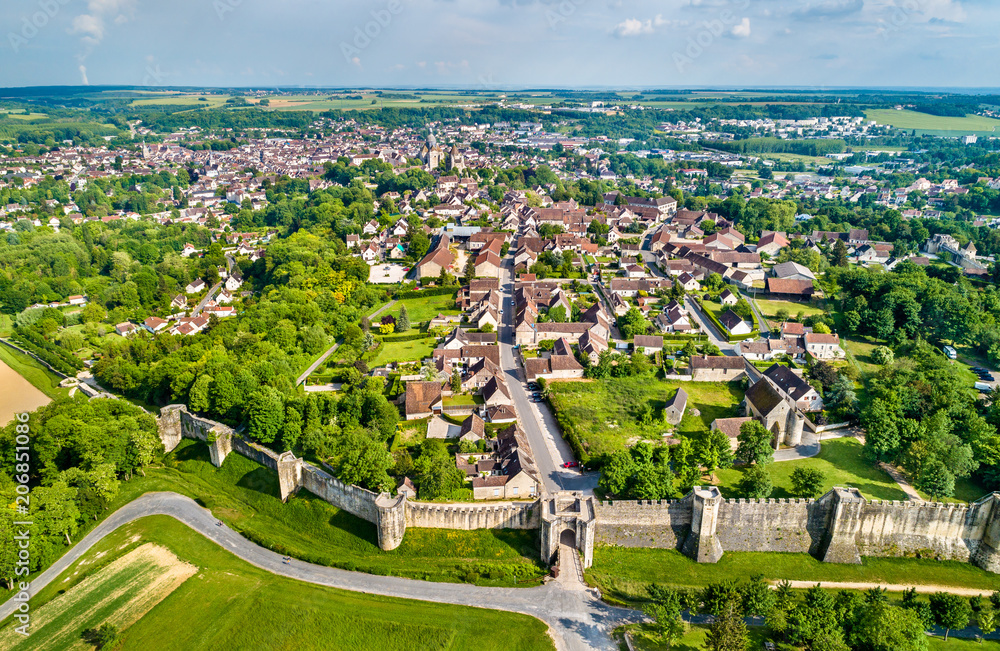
(577, 619)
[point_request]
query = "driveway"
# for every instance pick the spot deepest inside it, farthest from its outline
(577, 619)
(709, 328)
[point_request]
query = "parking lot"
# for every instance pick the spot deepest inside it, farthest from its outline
(387, 274)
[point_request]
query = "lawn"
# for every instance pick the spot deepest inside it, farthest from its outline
(927, 122)
(861, 350)
(842, 464)
(770, 308)
(27, 367)
(231, 604)
(425, 308)
(245, 496)
(404, 351)
(604, 412)
(627, 572)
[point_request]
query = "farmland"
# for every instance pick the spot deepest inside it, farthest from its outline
(924, 122)
(212, 609)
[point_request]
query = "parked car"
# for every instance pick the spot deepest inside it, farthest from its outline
(571, 464)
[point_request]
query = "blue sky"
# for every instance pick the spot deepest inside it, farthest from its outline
(501, 43)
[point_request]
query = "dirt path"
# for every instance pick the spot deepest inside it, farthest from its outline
(922, 589)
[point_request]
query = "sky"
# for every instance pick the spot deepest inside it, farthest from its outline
(501, 44)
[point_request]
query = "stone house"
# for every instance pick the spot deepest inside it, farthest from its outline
(673, 412)
(823, 346)
(423, 399)
(513, 474)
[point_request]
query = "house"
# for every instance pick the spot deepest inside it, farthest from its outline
(495, 392)
(772, 243)
(370, 254)
(423, 399)
(353, 241)
(823, 346)
(673, 319)
(735, 324)
(647, 344)
(776, 412)
(559, 367)
(180, 302)
(488, 264)
(513, 473)
(438, 259)
(126, 328)
(501, 414)
(688, 282)
(406, 489)
(77, 299)
(154, 324)
(673, 412)
(731, 428)
(220, 311)
(727, 297)
(371, 228)
(196, 286)
(235, 281)
(473, 429)
(720, 368)
(792, 271)
(801, 392)
(592, 345)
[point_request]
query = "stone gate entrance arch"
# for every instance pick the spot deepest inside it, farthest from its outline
(568, 518)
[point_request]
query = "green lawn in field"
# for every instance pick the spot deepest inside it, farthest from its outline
(27, 367)
(841, 462)
(604, 412)
(925, 121)
(425, 308)
(404, 351)
(245, 496)
(861, 349)
(627, 572)
(770, 308)
(230, 604)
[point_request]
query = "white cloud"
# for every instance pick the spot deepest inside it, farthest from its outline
(742, 29)
(633, 27)
(90, 27)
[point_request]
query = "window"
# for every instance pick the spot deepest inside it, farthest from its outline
(496, 492)
(515, 490)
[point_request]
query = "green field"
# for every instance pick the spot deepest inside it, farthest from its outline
(926, 122)
(425, 308)
(245, 496)
(627, 572)
(27, 367)
(404, 351)
(604, 412)
(841, 462)
(230, 604)
(770, 308)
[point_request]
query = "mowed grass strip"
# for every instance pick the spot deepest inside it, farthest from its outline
(605, 412)
(840, 460)
(120, 593)
(231, 604)
(425, 308)
(404, 351)
(627, 572)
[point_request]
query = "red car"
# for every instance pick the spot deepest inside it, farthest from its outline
(571, 464)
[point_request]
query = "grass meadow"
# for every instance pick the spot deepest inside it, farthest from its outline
(230, 604)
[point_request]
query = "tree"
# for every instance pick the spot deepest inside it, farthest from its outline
(807, 482)
(756, 444)
(104, 636)
(668, 623)
(821, 329)
(756, 483)
(632, 323)
(936, 479)
(950, 611)
(728, 631)
(882, 355)
(265, 414)
(617, 473)
(743, 309)
(987, 621)
(456, 381)
(839, 254)
(880, 626)
(715, 452)
(403, 322)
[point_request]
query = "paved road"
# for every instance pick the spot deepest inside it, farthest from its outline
(709, 328)
(577, 619)
(315, 365)
(548, 447)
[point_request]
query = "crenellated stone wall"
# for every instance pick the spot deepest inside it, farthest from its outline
(840, 527)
